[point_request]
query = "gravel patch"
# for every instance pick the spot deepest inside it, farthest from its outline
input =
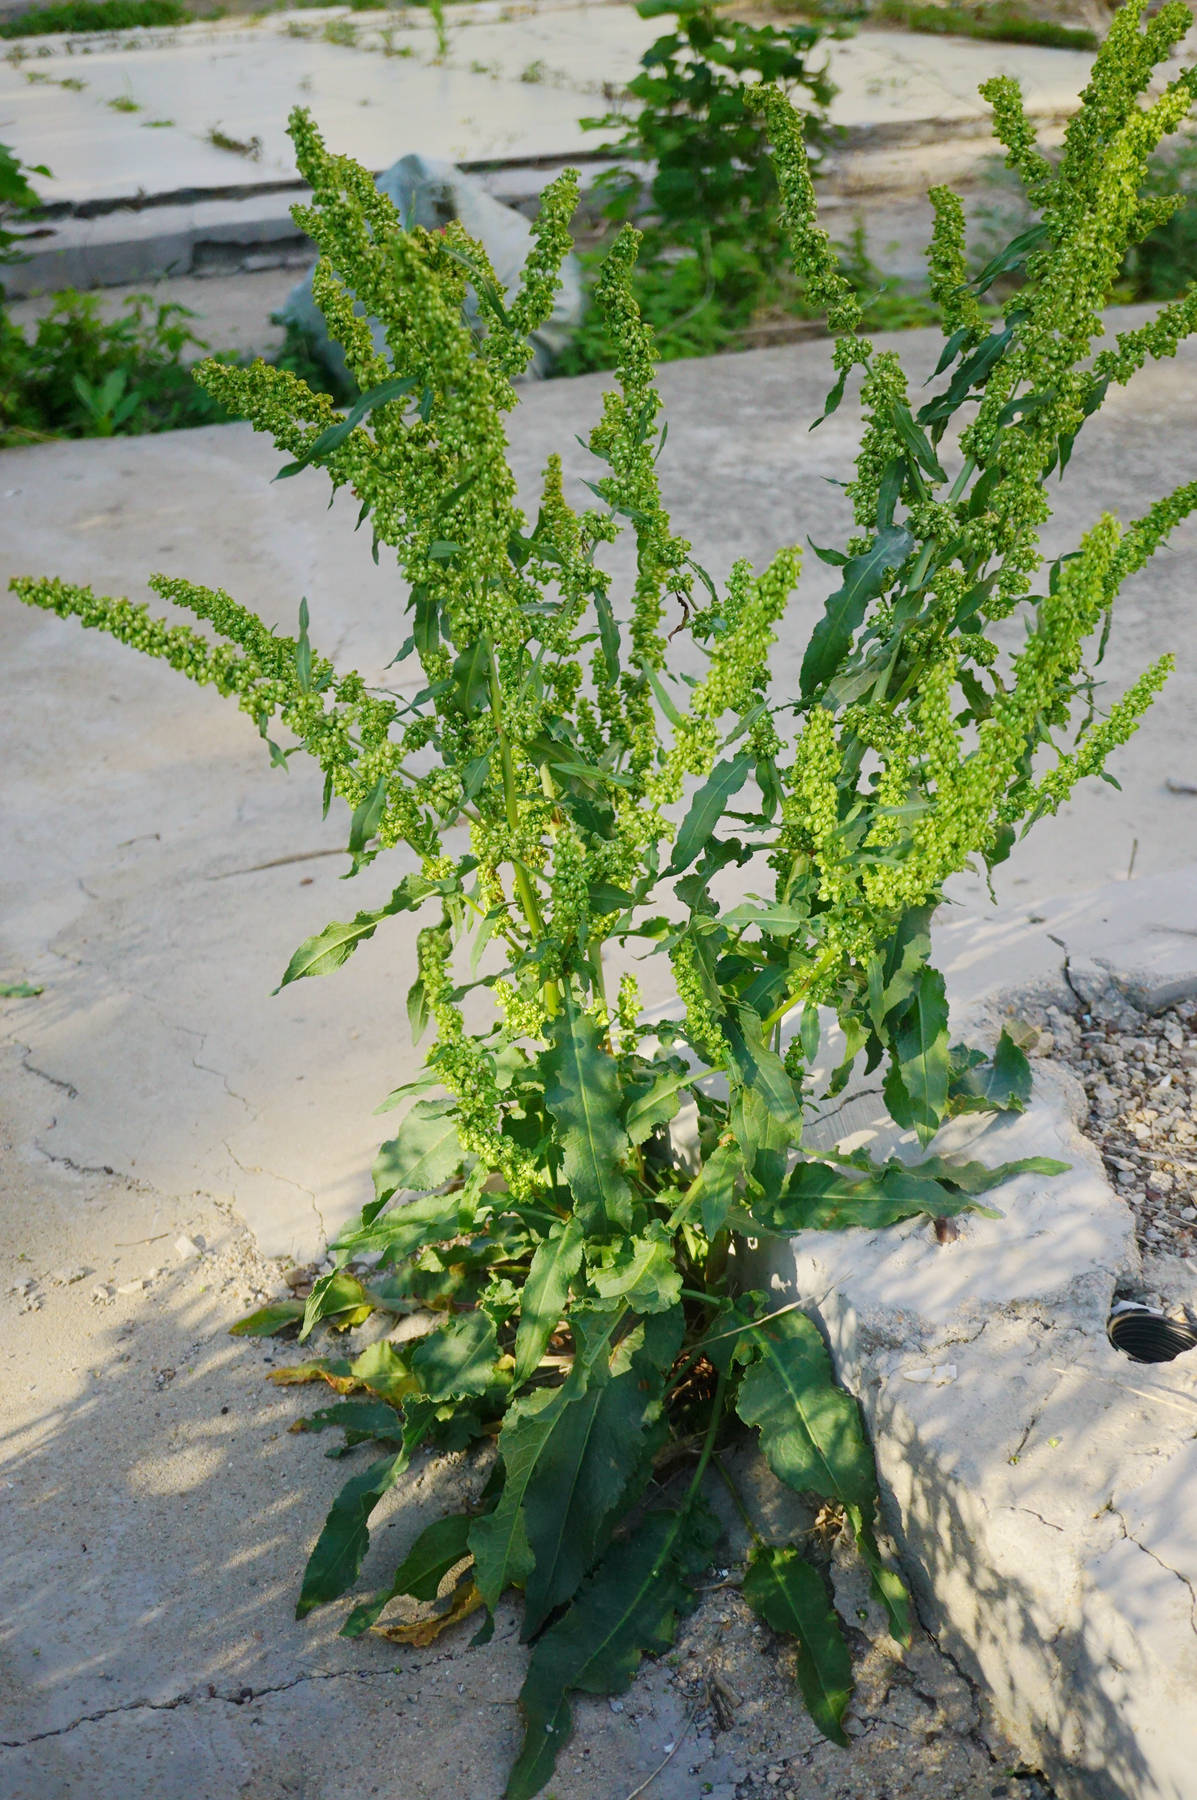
(1139, 1072)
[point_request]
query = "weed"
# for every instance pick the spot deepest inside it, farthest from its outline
(340, 31)
(123, 103)
(220, 140)
(95, 15)
(1002, 20)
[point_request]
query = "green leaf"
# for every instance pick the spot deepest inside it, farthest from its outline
(916, 441)
(720, 1174)
(1000, 1085)
(471, 677)
(19, 990)
(916, 1085)
(338, 1292)
(360, 1420)
(500, 1541)
(343, 1543)
(542, 1300)
(832, 401)
(643, 1275)
(426, 1153)
(810, 1429)
(846, 608)
(457, 1359)
(608, 633)
(656, 1105)
(268, 1320)
(888, 1587)
(303, 651)
(402, 1229)
(1015, 252)
(628, 1608)
(367, 817)
(782, 920)
(334, 945)
(581, 1091)
(439, 1548)
(707, 808)
(335, 435)
(791, 1595)
(759, 1069)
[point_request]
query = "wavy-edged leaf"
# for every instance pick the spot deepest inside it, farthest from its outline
(343, 1542)
(642, 1275)
(535, 1445)
(628, 1608)
(791, 1595)
(581, 1091)
(334, 945)
(707, 808)
(542, 1300)
(655, 1104)
(331, 1297)
(845, 609)
(360, 1420)
(759, 1070)
(1000, 1084)
(456, 1359)
(426, 1152)
(269, 1319)
(439, 1548)
(403, 1229)
(810, 1429)
(916, 1084)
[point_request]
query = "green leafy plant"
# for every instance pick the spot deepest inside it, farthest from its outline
(559, 1210)
(1003, 20)
(81, 375)
(712, 252)
(221, 140)
(96, 15)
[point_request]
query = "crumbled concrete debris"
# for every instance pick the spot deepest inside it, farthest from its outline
(186, 1248)
(1140, 1075)
(68, 1277)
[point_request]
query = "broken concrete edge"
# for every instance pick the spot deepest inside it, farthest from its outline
(1055, 1569)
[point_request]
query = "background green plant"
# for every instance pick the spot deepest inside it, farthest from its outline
(712, 253)
(1003, 20)
(96, 15)
(565, 1201)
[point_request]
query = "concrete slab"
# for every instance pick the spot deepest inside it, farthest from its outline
(163, 874)
(511, 86)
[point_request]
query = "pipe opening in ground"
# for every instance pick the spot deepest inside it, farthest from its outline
(1148, 1336)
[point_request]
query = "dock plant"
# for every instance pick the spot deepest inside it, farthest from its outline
(560, 802)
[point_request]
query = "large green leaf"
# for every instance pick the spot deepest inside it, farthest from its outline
(846, 608)
(269, 1319)
(810, 1429)
(334, 945)
(758, 1068)
(439, 1548)
(1001, 1084)
(707, 808)
(535, 1445)
(343, 1543)
(791, 1595)
(642, 1274)
(334, 1295)
(581, 1090)
(457, 1359)
(916, 1084)
(542, 1301)
(628, 1607)
(425, 1153)
(654, 1104)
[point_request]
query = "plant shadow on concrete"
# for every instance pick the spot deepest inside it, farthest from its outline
(565, 1276)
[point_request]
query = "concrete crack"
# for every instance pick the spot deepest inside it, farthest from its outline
(244, 1696)
(1159, 1561)
(66, 1087)
(257, 1169)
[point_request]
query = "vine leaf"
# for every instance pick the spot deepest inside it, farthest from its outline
(791, 1595)
(581, 1090)
(810, 1429)
(628, 1607)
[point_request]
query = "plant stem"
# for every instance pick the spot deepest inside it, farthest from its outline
(523, 887)
(708, 1442)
